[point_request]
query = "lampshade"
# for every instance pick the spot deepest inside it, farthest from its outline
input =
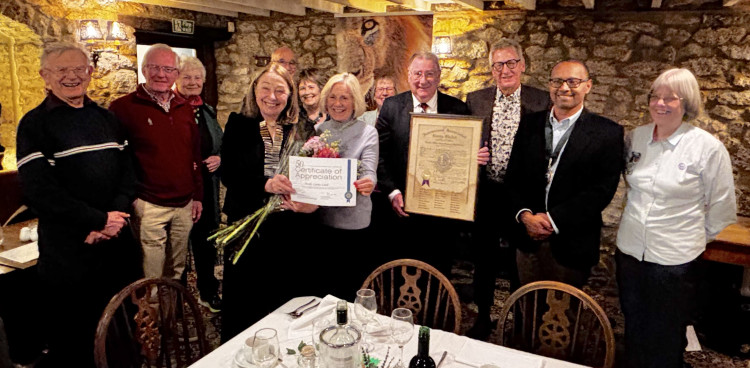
(89, 30)
(115, 31)
(442, 45)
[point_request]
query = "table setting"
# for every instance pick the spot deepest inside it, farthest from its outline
(291, 339)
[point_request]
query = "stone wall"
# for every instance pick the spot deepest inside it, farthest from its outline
(312, 39)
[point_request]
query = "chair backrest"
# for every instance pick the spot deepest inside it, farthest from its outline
(559, 321)
(153, 322)
(412, 284)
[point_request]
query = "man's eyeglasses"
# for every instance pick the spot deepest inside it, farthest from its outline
(429, 75)
(571, 82)
(166, 69)
(667, 99)
(511, 64)
(385, 89)
(286, 63)
(79, 71)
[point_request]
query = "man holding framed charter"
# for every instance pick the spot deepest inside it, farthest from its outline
(502, 106)
(424, 237)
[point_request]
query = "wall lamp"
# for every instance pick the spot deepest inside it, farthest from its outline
(90, 32)
(262, 60)
(442, 45)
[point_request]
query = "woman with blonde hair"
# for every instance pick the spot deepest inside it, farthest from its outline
(255, 141)
(680, 196)
(342, 100)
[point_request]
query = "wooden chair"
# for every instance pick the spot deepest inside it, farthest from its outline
(557, 320)
(412, 284)
(152, 322)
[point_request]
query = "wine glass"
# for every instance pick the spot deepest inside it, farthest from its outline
(402, 328)
(266, 348)
(365, 307)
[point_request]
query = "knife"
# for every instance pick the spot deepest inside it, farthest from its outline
(442, 358)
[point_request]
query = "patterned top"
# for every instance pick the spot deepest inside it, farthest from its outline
(272, 148)
(163, 104)
(506, 114)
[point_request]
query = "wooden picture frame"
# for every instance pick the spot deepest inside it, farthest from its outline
(442, 171)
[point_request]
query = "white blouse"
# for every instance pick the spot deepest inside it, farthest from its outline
(680, 195)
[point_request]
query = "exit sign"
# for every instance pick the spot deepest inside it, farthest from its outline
(183, 26)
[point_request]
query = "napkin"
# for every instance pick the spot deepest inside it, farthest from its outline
(302, 326)
(477, 353)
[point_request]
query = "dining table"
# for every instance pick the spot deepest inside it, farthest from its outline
(459, 351)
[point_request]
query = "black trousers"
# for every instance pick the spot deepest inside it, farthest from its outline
(658, 302)
(204, 251)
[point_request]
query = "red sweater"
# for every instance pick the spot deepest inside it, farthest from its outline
(166, 147)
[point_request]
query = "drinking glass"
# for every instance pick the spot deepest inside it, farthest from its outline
(365, 307)
(402, 328)
(266, 348)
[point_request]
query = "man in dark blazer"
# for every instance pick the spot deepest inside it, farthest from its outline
(563, 171)
(502, 106)
(419, 233)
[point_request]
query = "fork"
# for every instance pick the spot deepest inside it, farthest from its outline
(295, 313)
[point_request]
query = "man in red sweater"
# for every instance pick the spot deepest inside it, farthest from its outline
(163, 136)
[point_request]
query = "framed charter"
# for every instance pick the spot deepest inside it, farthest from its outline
(442, 171)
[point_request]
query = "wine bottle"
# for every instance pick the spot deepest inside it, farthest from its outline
(423, 358)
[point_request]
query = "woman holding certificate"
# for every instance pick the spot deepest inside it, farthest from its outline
(342, 100)
(253, 147)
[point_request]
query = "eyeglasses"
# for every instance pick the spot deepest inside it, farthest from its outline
(385, 89)
(79, 70)
(511, 64)
(286, 63)
(429, 75)
(166, 69)
(667, 100)
(571, 82)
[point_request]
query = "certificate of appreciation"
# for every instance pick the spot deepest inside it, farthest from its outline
(324, 181)
(442, 172)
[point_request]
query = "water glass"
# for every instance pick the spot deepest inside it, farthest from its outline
(266, 348)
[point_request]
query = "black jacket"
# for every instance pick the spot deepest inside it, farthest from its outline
(584, 183)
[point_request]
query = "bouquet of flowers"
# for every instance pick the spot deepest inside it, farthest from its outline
(247, 228)
(318, 146)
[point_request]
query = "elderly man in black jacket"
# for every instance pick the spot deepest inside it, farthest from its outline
(502, 106)
(78, 178)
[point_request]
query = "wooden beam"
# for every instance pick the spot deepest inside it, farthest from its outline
(472, 4)
(187, 6)
(222, 4)
(588, 4)
(414, 4)
(525, 4)
(323, 5)
(731, 2)
(366, 5)
(287, 6)
(656, 4)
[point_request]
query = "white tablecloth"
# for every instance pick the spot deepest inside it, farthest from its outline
(463, 352)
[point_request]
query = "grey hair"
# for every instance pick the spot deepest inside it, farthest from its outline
(684, 84)
(60, 47)
(158, 47)
(426, 55)
(351, 82)
(507, 43)
(192, 63)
